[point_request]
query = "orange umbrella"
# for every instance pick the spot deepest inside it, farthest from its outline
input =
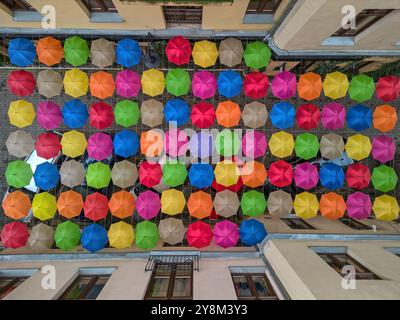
(332, 206)
(16, 205)
(70, 204)
(228, 114)
(102, 85)
(253, 174)
(200, 204)
(385, 118)
(122, 204)
(151, 143)
(49, 51)
(309, 86)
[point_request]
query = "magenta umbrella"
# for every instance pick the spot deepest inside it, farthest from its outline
(49, 115)
(306, 176)
(254, 144)
(383, 148)
(284, 85)
(100, 146)
(358, 205)
(176, 142)
(204, 85)
(226, 234)
(333, 116)
(148, 204)
(127, 83)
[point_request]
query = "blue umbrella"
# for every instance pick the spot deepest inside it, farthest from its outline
(75, 113)
(94, 237)
(282, 115)
(128, 52)
(359, 117)
(331, 176)
(252, 232)
(46, 176)
(126, 143)
(177, 110)
(22, 52)
(229, 84)
(201, 175)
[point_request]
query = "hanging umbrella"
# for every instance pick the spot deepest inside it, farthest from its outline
(172, 202)
(333, 116)
(384, 178)
(307, 116)
(359, 117)
(21, 113)
(96, 206)
(257, 55)
(102, 53)
(47, 145)
(306, 146)
(102, 85)
(126, 113)
(49, 83)
(127, 83)
(362, 88)
(201, 175)
(226, 203)
(230, 52)
(120, 235)
(49, 115)
(151, 143)
(101, 115)
(70, 204)
(229, 84)
(282, 115)
(14, 235)
(21, 83)
(146, 235)
(202, 115)
(67, 235)
(18, 174)
(331, 146)
(124, 174)
(20, 143)
(94, 237)
(204, 53)
(16, 205)
(126, 143)
(254, 144)
(309, 86)
(358, 147)
(148, 204)
(305, 205)
(176, 142)
(21, 52)
(200, 204)
(199, 234)
(100, 146)
(44, 206)
(72, 173)
(201, 145)
(280, 174)
(153, 82)
(204, 85)
(386, 208)
(76, 83)
(227, 143)
(331, 176)
(358, 205)
(171, 230)
(358, 176)
(280, 203)
(46, 176)
(284, 85)
(332, 206)
(281, 144)
(254, 115)
(253, 174)
(255, 85)
(232, 187)
(75, 114)
(226, 173)
(388, 88)
(383, 148)
(128, 52)
(150, 173)
(41, 237)
(252, 232)
(385, 118)
(177, 111)
(178, 50)
(49, 51)
(228, 114)
(76, 51)
(98, 175)
(177, 82)
(122, 204)
(335, 85)
(253, 203)
(306, 176)
(226, 234)
(152, 113)
(174, 173)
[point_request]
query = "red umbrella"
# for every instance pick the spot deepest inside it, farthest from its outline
(199, 234)
(21, 83)
(150, 173)
(308, 116)
(178, 50)
(256, 85)
(235, 187)
(388, 88)
(96, 206)
(280, 174)
(14, 235)
(48, 145)
(203, 115)
(358, 176)
(101, 115)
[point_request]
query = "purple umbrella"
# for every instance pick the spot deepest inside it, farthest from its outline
(201, 144)
(333, 116)
(176, 142)
(306, 176)
(226, 234)
(383, 148)
(127, 83)
(148, 204)
(100, 146)
(358, 205)
(48, 115)
(254, 144)
(284, 85)
(204, 85)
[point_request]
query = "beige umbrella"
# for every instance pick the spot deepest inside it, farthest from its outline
(254, 115)
(49, 83)
(230, 52)
(72, 173)
(331, 146)
(226, 203)
(20, 143)
(279, 203)
(124, 174)
(102, 53)
(171, 230)
(151, 113)
(41, 237)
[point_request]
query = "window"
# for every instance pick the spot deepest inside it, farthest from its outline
(17, 5)
(99, 5)
(253, 286)
(183, 14)
(171, 281)
(85, 287)
(354, 224)
(8, 284)
(297, 223)
(263, 6)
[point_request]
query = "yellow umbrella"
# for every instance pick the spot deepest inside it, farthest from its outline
(205, 53)
(73, 143)
(386, 208)
(44, 206)
(281, 144)
(358, 147)
(335, 85)
(153, 82)
(76, 83)
(305, 205)
(226, 173)
(21, 113)
(120, 235)
(172, 202)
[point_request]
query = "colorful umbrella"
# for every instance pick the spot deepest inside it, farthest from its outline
(280, 174)
(332, 206)
(49, 83)
(49, 51)
(46, 176)
(171, 230)
(280, 203)
(383, 148)
(253, 174)
(150, 173)
(205, 53)
(178, 50)
(202, 115)
(226, 203)
(331, 146)
(230, 52)
(72, 173)
(281, 144)
(204, 85)
(152, 113)
(385, 118)
(201, 175)
(21, 83)
(358, 176)
(151, 143)
(70, 204)
(307, 116)
(21, 52)
(153, 82)
(148, 204)
(120, 235)
(254, 144)
(358, 147)
(177, 82)
(76, 51)
(358, 205)
(100, 146)
(75, 114)
(44, 206)
(233, 187)
(333, 116)
(226, 234)
(41, 237)
(49, 115)
(359, 117)
(21, 113)
(76, 83)
(122, 204)
(306, 176)
(102, 85)
(199, 234)
(306, 146)
(172, 202)
(252, 232)
(388, 88)
(127, 83)
(335, 85)
(96, 206)
(361, 88)
(253, 203)
(98, 175)
(176, 142)
(67, 235)
(227, 143)
(14, 235)
(309, 86)
(284, 85)
(282, 115)
(128, 52)
(200, 204)
(226, 173)
(384, 178)
(146, 235)
(305, 205)
(47, 145)
(94, 237)
(177, 111)
(255, 85)
(229, 83)
(16, 205)
(174, 173)
(331, 176)
(228, 114)
(254, 115)
(20, 143)
(101, 115)
(126, 143)
(18, 174)
(126, 113)
(257, 55)
(201, 145)
(102, 53)
(124, 174)
(386, 208)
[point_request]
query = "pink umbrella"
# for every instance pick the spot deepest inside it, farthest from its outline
(284, 84)
(306, 176)
(333, 116)
(176, 142)
(383, 148)
(127, 83)
(49, 115)
(204, 85)
(358, 205)
(100, 146)
(226, 234)
(148, 204)
(254, 144)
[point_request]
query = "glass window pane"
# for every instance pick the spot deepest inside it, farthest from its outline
(95, 290)
(261, 286)
(242, 287)
(181, 287)
(159, 288)
(8, 285)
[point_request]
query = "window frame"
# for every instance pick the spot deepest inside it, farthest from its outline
(177, 9)
(261, 7)
(89, 286)
(105, 8)
(18, 280)
(250, 283)
(348, 221)
(23, 5)
(292, 224)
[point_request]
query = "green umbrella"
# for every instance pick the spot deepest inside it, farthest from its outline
(384, 178)
(126, 113)
(67, 235)
(306, 146)
(177, 82)
(227, 143)
(174, 173)
(98, 175)
(257, 55)
(76, 51)
(146, 235)
(361, 88)
(253, 203)
(18, 174)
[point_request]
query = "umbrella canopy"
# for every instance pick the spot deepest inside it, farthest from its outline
(98, 175)
(20, 143)
(358, 147)
(257, 55)
(199, 234)
(49, 115)
(49, 51)
(126, 113)
(307, 116)
(309, 86)
(176, 142)
(201, 144)
(151, 143)
(120, 235)
(146, 235)
(386, 208)
(101, 115)
(96, 206)
(72, 173)
(226, 173)
(384, 178)
(148, 204)
(227, 143)
(332, 206)
(280, 174)
(49, 83)
(152, 113)
(76, 83)
(204, 53)
(102, 53)
(255, 85)
(127, 83)
(284, 85)
(47, 145)
(200, 204)
(331, 146)
(172, 202)
(201, 175)
(305, 205)
(177, 82)
(171, 230)
(46, 176)
(41, 237)
(359, 117)
(178, 50)
(100, 146)
(122, 204)
(280, 203)
(76, 51)
(75, 114)
(306, 176)
(281, 144)
(150, 173)
(383, 148)
(16, 205)
(358, 176)
(282, 115)
(254, 144)
(67, 235)
(254, 115)
(177, 111)
(153, 82)
(204, 85)
(331, 176)
(126, 143)
(21, 113)
(174, 173)
(228, 114)
(233, 187)
(94, 237)
(18, 174)
(388, 88)
(230, 52)
(21, 83)
(124, 174)
(226, 203)
(14, 235)
(335, 85)
(385, 118)
(253, 174)
(21, 52)
(253, 203)
(70, 204)
(358, 205)
(128, 52)
(252, 232)
(202, 115)
(44, 206)
(306, 146)
(361, 88)
(226, 234)
(102, 85)
(333, 116)
(229, 83)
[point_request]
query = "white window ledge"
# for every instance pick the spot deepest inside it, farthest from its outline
(27, 16)
(252, 18)
(338, 41)
(106, 17)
